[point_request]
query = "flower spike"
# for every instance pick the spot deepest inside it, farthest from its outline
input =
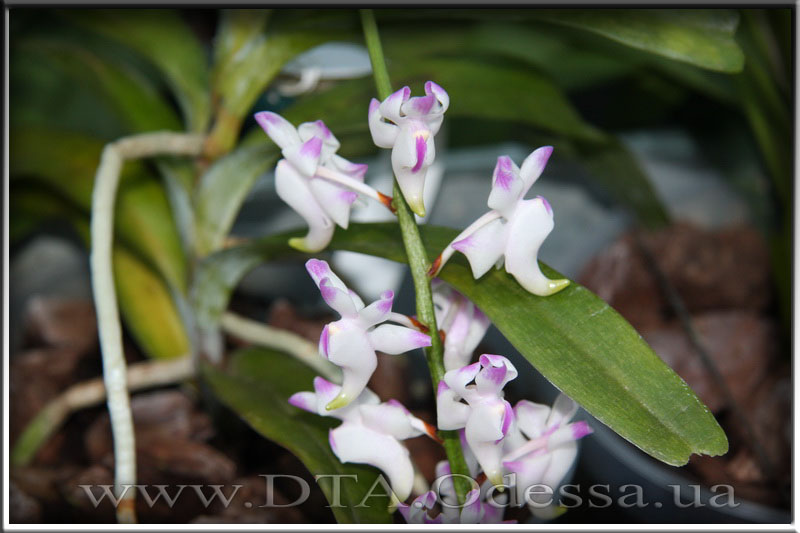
(318, 184)
(351, 341)
(512, 232)
(408, 125)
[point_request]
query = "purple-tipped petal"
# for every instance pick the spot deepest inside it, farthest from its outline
(503, 173)
(304, 400)
(580, 429)
(325, 388)
(278, 129)
(312, 147)
(507, 187)
(463, 245)
(485, 247)
(318, 269)
(337, 299)
(394, 340)
(441, 95)
(378, 311)
(533, 166)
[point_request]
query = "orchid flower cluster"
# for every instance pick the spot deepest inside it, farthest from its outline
(515, 447)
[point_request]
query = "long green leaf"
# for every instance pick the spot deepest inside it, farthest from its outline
(222, 190)
(67, 162)
(257, 387)
(573, 338)
(145, 301)
(702, 37)
(135, 99)
(167, 42)
(253, 56)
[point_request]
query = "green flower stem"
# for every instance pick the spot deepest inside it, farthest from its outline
(419, 264)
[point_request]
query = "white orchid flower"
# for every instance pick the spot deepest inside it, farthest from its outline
(486, 417)
(370, 433)
(318, 184)
(541, 446)
(407, 126)
(513, 230)
(461, 320)
(351, 342)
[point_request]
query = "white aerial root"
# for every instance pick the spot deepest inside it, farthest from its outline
(105, 299)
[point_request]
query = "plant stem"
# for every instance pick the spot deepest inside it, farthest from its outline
(419, 264)
(102, 232)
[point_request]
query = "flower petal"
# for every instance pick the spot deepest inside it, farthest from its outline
(531, 224)
(564, 408)
(318, 129)
(484, 431)
(485, 247)
(353, 443)
(450, 412)
(533, 166)
(278, 128)
(353, 170)
(378, 311)
(496, 372)
(441, 95)
(292, 188)
(457, 379)
(350, 349)
(529, 471)
(413, 152)
(384, 134)
(339, 300)
(304, 400)
(394, 340)
(507, 186)
(390, 108)
(306, 156)
(531, 418)
(390, 418)
(319, 270)
(334, 200)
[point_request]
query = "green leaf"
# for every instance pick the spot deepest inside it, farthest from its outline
(486, 90)
(67, 163)
(702, 37)
(252, 58)
(257, 386)
(167, 42)
(223, 189)
(573, 338)
(135, 99)
(145, 302)
(237, 29)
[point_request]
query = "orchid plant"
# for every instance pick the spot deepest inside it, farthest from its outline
(496, 447)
